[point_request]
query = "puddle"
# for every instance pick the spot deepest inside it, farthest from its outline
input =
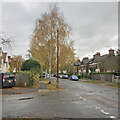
(90, 91)
(26, 98)
(43, 95)
(100, 91)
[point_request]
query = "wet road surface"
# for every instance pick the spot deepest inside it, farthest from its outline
(77, 100)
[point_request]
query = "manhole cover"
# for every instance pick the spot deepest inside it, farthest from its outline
(90, 91)
(27, 98)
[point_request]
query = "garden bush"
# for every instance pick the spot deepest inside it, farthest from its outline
(79, 76)
(32, 78)
(35, 78)
(85, 75)
(30, 64)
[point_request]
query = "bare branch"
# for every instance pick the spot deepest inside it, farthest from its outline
(5, 40)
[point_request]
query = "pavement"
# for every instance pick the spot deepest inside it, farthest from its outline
(77, 100)
(23, 90)
(18, 90)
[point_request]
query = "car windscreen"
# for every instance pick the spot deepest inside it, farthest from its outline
(66, 75)
(9, 77)
(74, 76)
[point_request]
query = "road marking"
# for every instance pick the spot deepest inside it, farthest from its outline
(105, 112)
(82, 98)
(113, 117)
(98, 107)
(76, 95)
(76, 102)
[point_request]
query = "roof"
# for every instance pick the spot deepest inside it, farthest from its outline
(100, 58)
(77, 63)
(86, 61)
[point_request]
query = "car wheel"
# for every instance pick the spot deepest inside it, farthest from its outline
(10, 86)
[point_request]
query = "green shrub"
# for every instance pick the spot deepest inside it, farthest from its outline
(33, 75)
(85, 75)
(36, 79)
(36, 71)
(88, 76)
(30, 64)
(79, 76)
(30, 82)
(115, 73)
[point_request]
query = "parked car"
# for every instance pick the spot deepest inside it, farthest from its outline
(43, 75)
(60, 75)
(65, 76)
(74, 77)
(52, 75)
(55, 75)
(48, 75)
(7, 80)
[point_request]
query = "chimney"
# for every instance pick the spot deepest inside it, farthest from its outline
(111, 52)
(85, 58)
(97, 54)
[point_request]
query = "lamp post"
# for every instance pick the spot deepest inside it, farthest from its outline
(57, 58)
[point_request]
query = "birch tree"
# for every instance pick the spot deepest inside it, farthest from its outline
(44, 38)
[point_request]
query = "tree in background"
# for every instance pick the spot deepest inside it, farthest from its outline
(30, 65)
(5, 40)
(44, 40)
(16, 63)
(67, 58)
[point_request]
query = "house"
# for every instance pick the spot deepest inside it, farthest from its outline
(105, 62)
(4, 62)
(97, 58)
(100, 63)
(110, 63)
(77, 67)
(85, 65)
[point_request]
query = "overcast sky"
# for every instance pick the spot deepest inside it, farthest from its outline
(94, 24)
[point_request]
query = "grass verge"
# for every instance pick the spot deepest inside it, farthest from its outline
(94, 81)
(51, 86)
(113, 85)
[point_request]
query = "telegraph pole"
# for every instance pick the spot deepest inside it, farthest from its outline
(57, 58)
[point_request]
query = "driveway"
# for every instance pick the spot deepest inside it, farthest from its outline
(77, 100)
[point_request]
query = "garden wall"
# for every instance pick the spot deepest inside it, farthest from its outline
(22, 79)
(105, 77)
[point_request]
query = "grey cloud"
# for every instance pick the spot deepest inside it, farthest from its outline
(94, 24)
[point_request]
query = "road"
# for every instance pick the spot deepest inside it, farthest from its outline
(77, 100)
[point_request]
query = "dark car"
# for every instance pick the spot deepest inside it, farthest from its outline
(7, 80)
(65, 76)
(55, 75)
(44, 75)
(74, 77)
